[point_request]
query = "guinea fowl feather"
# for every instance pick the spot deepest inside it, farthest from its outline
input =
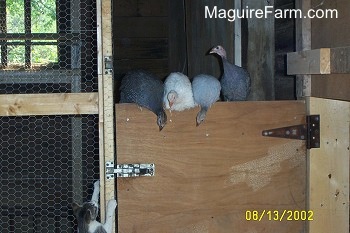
(235, 81)
(146, 90)
(178, 94)
(206, 91)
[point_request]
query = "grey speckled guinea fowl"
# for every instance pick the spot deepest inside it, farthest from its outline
(146, 90)
(206, 91)
(235, 81)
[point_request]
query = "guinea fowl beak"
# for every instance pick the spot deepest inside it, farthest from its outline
(160, 128)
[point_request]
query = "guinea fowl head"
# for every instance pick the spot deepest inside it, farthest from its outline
(172, 96)
(201, 116)
(161, 119)
(219, 50)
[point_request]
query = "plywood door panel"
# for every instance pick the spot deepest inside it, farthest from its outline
(207, 177)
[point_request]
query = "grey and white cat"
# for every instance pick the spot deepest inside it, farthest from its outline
(87, 213)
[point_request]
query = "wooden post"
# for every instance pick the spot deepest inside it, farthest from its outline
(328, 168)
(303, 42)
(238, 35)
(261, 52)
(106, 101)
(177, 36)
(204, 33)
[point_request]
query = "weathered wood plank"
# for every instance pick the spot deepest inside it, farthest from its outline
(238, 35)
(261, 53)
(340, 60)
(141, 8)
(106, 103)
(177, 37)
(156, 66)
(48, 104)
(141, 27)
(303, 42)
(320, 61)
(328, 168)
(334, 86)
(208, 176)
(309, 62)
(138, 48)
(203, 34)
(331, 32)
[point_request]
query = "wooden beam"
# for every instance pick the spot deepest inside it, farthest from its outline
(106, 102)
(202, 34)
(238, 35)
(156, 26)
(177, 48)
(141, 8)
(261, 53)
(141, 48)
(309, 62)
(157, 66)
(319, 61)
(328, 167)
(331, 86)
(48, 104)
(340, 58)
(303, 42)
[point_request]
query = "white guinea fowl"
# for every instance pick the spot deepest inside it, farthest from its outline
(178, 94)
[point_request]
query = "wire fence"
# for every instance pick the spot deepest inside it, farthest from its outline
(47, 162)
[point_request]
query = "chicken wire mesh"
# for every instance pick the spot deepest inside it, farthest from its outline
(47, 162)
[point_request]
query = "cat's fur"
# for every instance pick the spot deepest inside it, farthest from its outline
(87, 213)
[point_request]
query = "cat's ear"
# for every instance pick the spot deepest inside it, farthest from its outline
(76, 208)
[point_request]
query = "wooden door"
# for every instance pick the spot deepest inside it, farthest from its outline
(328, 167)
(208, 177)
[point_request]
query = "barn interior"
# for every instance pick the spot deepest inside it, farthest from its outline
(61, 123)
(175, 36)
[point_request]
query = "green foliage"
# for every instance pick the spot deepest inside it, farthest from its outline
(15, 16)
(44, 54)
(43, 20)
(44, 16)
(16, 54)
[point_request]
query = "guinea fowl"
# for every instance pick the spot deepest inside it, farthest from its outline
(235, 81)
(146, 90)
(178, 94)
(206, 91)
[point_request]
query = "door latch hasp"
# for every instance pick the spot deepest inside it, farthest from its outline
(129, 170)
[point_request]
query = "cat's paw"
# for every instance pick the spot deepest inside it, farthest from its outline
(97, 184)
(112, 204)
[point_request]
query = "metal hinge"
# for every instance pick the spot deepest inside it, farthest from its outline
(129, 170)
(108, 64)
(309, 132)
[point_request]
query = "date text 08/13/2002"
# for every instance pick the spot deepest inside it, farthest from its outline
(279, 215)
